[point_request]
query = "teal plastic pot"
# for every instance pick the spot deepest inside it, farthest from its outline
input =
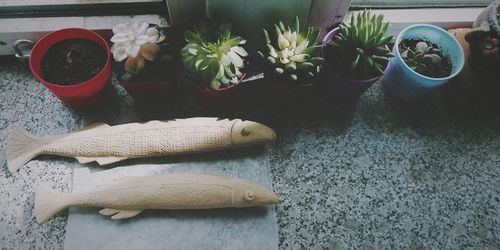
(403, 82)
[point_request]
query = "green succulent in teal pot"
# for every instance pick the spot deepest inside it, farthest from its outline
(291, 55)
(214, 56)
(359, 50)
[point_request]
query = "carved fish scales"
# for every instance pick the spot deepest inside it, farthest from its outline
(128, 197)
(108, 144)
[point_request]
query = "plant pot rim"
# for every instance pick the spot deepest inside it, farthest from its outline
(354, 81)
(281, 81)
(49, 35)
(443, 33)
(207, 89)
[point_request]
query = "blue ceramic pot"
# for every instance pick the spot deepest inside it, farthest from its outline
(405, 83)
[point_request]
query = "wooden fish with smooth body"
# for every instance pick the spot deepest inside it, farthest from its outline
(128, 197)
(109, 144)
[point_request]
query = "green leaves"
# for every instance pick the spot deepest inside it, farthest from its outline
(356, 50)
(213, 55)
(424, 58)
(293, 54)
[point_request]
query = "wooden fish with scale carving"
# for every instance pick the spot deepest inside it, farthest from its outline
(109, 144)
(129, 196)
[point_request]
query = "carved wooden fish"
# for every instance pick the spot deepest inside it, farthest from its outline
(129, 196)
(109, 144)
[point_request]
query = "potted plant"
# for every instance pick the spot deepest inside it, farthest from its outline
(475, 91)
(356, 55)
(216, 60)
(484, 41)
(74, 64)
(425, 57)
(292, 57)
(143, 61)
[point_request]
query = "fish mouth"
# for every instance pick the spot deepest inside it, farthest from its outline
(274, 199)
(266, 133)
(273, 135)
(249, 133)
(271, 199)
(268, 197)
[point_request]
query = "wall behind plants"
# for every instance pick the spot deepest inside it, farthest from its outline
(250, 16)
(184, 12)
(418, 3)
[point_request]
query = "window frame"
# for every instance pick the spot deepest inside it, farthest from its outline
(178, 16)
(446, 18)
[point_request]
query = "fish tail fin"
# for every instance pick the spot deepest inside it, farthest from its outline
(48, 203)
(21, 148)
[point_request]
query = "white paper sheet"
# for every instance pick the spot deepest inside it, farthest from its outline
(248, 228)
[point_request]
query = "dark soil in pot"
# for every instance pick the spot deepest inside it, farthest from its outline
(425, 64)
(72, 61)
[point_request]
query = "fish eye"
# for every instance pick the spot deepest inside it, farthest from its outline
(245, 132)
(249, 195)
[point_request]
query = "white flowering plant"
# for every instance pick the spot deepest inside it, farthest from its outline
(292, 54)
(134, 44)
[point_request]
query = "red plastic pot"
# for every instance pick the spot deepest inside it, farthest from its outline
(343, 87)
(209, 96)
(80, 95)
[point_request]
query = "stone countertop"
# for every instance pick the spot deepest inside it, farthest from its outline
(384, 174)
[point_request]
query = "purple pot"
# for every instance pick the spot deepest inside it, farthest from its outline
(342, 87)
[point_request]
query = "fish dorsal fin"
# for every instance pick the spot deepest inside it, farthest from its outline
(100, 160)
(118, 214)
(94, 126)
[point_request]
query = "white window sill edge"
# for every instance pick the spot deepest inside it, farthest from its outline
(446, 18)
(12, 29)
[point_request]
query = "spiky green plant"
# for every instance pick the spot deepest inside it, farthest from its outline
(358, 50)
(293, 55)
(213, 55)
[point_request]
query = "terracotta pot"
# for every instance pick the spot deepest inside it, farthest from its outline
(343, 87)
(485, 26)
(471, 93)
(81, 95)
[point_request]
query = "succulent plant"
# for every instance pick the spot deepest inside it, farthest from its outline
(425, 58)
(358, 51)
(293, 55)
(137, 42)
(213, 55)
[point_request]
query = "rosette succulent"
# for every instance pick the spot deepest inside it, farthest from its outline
(291, 54)
(425, 58)
(213, 55)
(358, 51)
(137, 42)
